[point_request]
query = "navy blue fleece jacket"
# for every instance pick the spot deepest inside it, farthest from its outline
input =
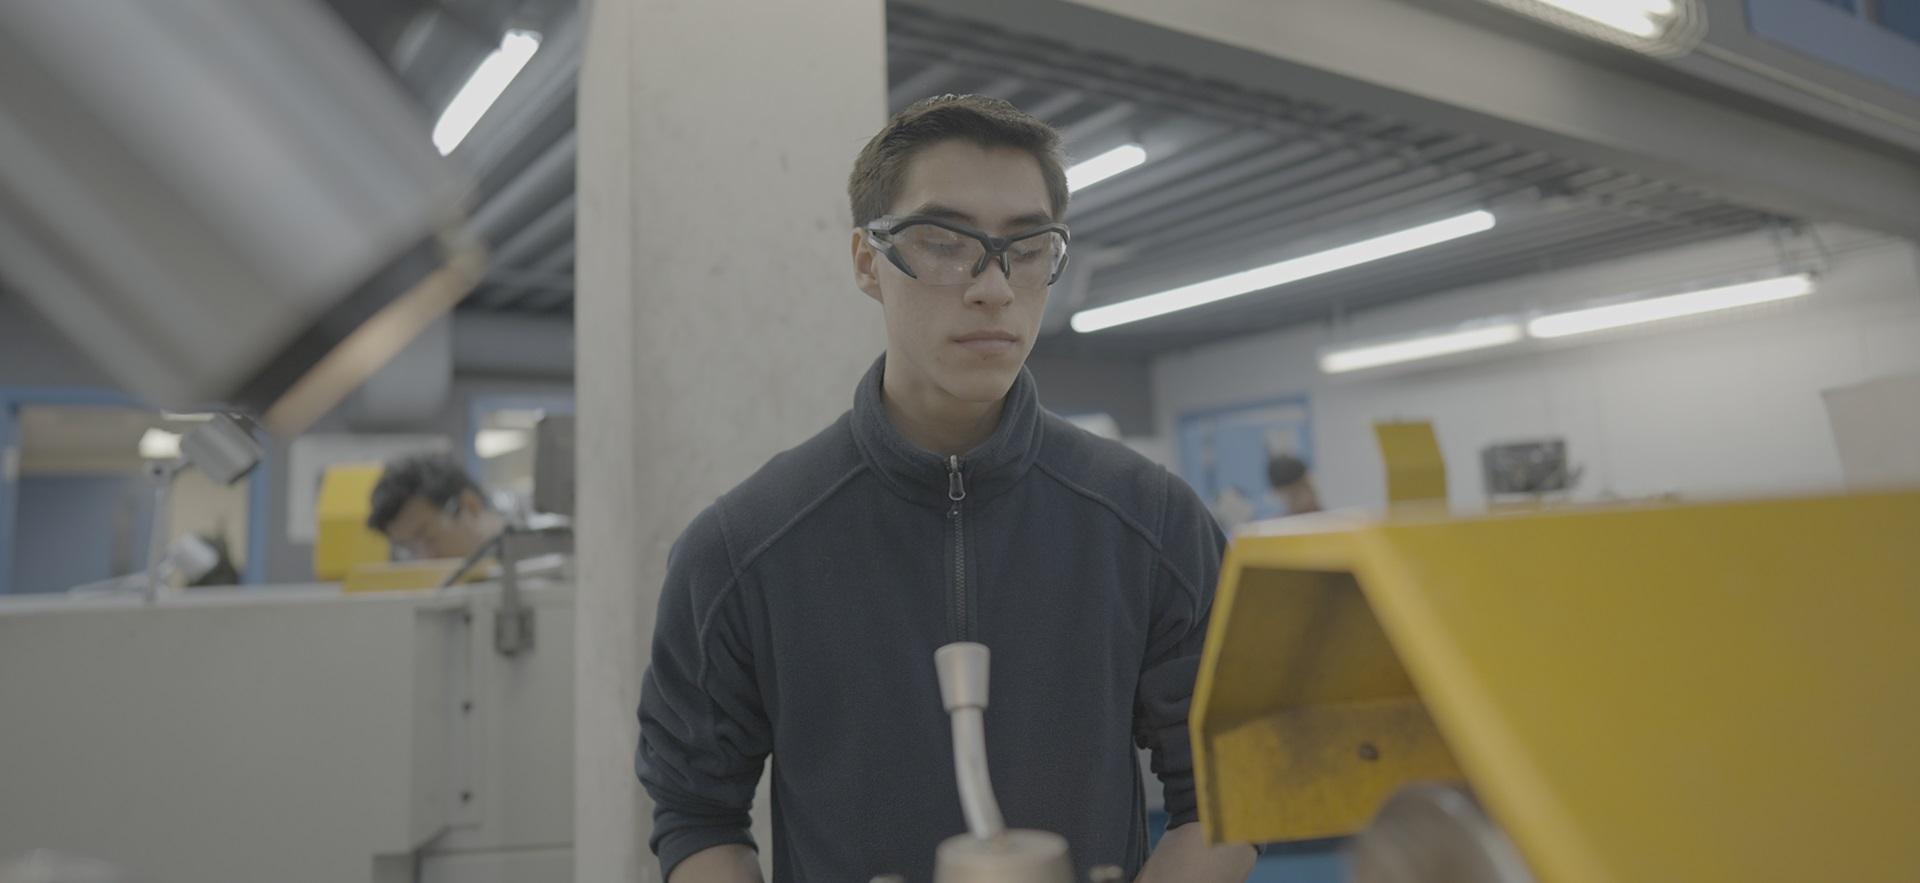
(801, 612)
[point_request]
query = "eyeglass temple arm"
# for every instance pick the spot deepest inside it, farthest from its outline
(893, 254)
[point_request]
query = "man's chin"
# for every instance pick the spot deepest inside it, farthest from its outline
(981, 385)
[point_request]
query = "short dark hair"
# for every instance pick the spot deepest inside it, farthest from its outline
(1284, 470)
(437, 478)
(881, 168)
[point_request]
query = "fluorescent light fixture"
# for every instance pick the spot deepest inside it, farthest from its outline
(483, 88)
(1292, 270)
(1104, 166)
(1674, 306)
(1641, 18)
(491, 443)
(159, 444)
(1426, 346)
(1660, 28)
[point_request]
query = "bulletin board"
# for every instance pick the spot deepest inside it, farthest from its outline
(1224, 454)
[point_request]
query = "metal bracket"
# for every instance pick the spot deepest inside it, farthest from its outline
(513, 622)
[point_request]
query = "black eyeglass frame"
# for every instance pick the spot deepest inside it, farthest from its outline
(994, 246)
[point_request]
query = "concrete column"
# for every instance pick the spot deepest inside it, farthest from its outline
(716, 318)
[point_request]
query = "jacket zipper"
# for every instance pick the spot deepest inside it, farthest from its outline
(957, 494)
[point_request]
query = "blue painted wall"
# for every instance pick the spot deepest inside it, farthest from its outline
(1883, 50)
(65, 532)
(1300, 863)
(1902, 17)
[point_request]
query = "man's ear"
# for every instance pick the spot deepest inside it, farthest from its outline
(865, 273)
(472, 503)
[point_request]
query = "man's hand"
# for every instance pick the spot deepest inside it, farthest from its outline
(731, 863)
(1183, 856)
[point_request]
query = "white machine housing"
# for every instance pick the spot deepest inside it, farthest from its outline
(291, 734)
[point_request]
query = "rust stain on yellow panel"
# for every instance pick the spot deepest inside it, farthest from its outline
(1324, 769)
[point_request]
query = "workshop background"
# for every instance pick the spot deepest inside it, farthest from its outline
(1611, 252)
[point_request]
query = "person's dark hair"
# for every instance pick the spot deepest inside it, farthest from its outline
(881, 169)
(435, 477)
(1284, 470)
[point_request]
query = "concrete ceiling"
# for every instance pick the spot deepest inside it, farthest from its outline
(1236, 178)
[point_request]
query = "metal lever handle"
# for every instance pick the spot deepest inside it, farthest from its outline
(963, 689)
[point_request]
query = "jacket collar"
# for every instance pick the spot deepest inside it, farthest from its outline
(920, 475)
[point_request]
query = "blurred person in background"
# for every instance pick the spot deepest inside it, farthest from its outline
(1292, 485)
(429, 507)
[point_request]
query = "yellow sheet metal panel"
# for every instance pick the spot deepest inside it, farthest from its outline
(1721, 692)
(1415, 469)
(398, 576)
(1304, 719)
(1710, 693)
(1321, 770)
(342, 539)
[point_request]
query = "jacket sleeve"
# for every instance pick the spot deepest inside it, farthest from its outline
(704, 735)
(1191, 545)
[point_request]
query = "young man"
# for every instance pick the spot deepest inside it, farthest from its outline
(429, 507)
(801, 610)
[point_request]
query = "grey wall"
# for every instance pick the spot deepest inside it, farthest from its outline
(513, 346)
(62, 545)
(51, 548)
(1726, 405)
(1120, 388)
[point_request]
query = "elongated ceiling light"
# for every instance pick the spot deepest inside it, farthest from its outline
(1673, 306)
(1641, 18)
(1656, 27)
(1425, 346)
(1291, 270)
(1104, 166)
(489, 80)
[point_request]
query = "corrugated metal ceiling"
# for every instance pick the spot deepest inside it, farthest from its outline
(1235, 179)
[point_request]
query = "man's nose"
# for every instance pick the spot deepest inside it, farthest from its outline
(990, 288)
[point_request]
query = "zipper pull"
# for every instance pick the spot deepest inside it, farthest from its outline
(956, 486)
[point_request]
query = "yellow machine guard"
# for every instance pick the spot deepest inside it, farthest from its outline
(1415, 470)
(343, 541)
(1704, 693)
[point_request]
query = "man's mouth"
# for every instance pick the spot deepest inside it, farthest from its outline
(988, 342)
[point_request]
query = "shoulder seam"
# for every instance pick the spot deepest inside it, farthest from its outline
(740, 568)
(1159, 550)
